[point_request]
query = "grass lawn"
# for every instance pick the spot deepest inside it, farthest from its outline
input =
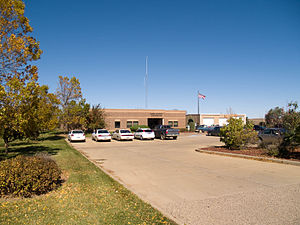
(88, 196)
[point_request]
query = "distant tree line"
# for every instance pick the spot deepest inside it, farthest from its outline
(289, 120)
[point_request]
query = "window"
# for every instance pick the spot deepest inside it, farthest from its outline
(117, 124)
(102, 132)
(267, 131)
(132, 123)
(173, 123)
(125, 131)
(77, 132)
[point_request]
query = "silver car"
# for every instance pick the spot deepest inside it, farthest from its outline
(76, 135)
(123, 135)
(144, 133)
(101, 135)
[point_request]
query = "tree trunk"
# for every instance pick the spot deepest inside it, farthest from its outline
(6, 145)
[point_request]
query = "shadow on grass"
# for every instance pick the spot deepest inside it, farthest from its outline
(28, 151)
(21, 143)
(51, 138)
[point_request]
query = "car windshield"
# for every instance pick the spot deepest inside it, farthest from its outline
(267, 131)
(166, 126)
(145, 130)
(77, 132)
(125, 131)
(103, 131)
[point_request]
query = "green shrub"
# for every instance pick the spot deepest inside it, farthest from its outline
(134, 128)
(28, 175)
(290, 120)
(236, 136)
(192, 126)
(273, 149)
(183, 129)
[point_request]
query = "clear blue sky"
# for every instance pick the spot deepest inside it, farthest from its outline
(240, 54)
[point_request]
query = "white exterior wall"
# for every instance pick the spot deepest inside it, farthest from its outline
(219, 119)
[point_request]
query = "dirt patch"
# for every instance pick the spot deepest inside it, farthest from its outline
(254, 151)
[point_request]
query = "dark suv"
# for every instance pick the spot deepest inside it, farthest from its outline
(215, 131)
(271, 135)
(200, 128)
(258, 128)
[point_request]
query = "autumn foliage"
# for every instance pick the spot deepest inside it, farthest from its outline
(28, 175)
(17, 46)
(26, 108)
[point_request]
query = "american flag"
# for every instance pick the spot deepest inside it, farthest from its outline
(201, 96)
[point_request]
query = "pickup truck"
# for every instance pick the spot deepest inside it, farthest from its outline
(165, 131)
(200, 128)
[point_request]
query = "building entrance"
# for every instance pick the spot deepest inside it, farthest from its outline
(152, 122)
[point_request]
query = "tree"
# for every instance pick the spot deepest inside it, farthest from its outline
(291, 118)
(74, 109)
(25, 109)
(22, 100)
(48, 110)
(76, 114)
(236, 135)
(96, 118)
(291, 122)
(68, 90)
(17, 47)
(274, 117)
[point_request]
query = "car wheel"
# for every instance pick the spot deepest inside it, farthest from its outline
(162, 137)
(175, 137)
(141, 137)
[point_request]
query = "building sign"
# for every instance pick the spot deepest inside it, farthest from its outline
(156, 114)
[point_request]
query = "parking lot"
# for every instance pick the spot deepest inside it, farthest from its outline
(197, 188)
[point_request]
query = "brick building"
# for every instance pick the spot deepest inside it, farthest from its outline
(125, 118)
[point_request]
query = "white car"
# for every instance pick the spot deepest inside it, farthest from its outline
(144, 133)
(76, 135)
(123, 135)
(101, 135)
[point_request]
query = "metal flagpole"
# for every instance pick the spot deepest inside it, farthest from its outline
(198, 103)
(146, 84)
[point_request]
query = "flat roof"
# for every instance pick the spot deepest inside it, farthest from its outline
(146, 110)
(216, 114)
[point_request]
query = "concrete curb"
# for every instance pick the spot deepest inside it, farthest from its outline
(264, 159)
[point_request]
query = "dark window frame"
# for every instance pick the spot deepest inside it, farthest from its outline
(118, 122)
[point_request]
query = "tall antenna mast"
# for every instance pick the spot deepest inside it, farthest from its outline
(146, 84)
